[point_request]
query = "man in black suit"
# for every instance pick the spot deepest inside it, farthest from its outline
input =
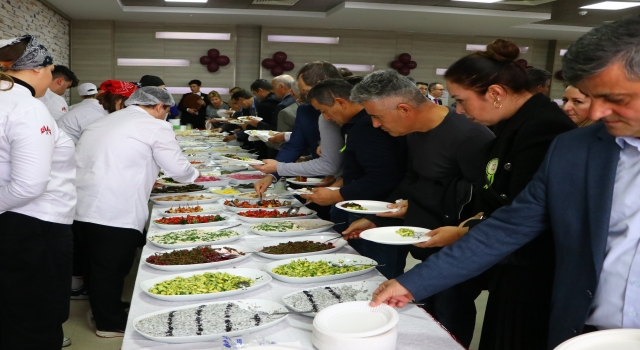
(585, 192)
(436, 90)
(195, 117)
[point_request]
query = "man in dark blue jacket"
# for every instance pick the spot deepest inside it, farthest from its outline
(586, 191)
(374, 161)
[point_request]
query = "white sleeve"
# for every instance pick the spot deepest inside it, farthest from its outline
(57, 107)
(168, 154)
(287, 136)
(32, 144)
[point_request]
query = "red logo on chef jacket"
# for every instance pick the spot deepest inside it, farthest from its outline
(64, 109)
(45, 129)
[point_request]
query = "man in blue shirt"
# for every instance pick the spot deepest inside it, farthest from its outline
(586, 191)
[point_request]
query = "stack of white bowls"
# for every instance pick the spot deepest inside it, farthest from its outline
(355, 326)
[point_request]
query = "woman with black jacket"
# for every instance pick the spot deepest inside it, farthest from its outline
(491, 89)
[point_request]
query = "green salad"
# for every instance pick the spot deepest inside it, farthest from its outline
(192, 236)
(282, 226)
(209, 282)
(305, 268)
(405, 232)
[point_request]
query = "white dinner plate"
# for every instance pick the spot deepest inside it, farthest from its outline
(177, 193)
(337, 244)
(247, 304)
(195, 244)
(331, 258)
(356, 319)
(253, 201)
(254, 195)
(612, 339)
(298, 301)
(206, 210)
(161, 180)
(310, 215)
(310, 181)
(239, 248)
(260, 279)
(249, 118)
(388, 235)
(308, 226)
(373, 207)
(187, 226)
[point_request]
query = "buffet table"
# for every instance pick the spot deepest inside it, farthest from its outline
(416, 328)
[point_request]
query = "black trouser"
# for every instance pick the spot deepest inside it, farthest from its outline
(455, 308)
(35, 281)
(79, 256)
(110, 252)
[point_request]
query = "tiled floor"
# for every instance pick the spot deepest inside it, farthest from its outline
(84, 337)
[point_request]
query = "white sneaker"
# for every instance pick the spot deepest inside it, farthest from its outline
(110, 334)
(66, 342)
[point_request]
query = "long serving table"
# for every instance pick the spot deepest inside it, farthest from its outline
(416, 328)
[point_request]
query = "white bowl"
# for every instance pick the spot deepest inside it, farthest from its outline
(248, 304)
(355, 319)
(223, 182)
(239, 248)
(385, 341)
(260, 278)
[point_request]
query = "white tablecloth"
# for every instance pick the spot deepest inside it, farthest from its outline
(416, 328)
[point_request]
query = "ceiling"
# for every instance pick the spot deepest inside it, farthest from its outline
(545, 19)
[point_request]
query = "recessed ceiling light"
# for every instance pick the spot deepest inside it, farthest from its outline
(611, 5)
(151, 62)
(473, 47)
(481, 1)
(562, 52)
(194, 1)
(355, 67)
(303, 39)
(441, 71)
(193, 36)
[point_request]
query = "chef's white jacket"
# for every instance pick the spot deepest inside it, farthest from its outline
(119, 157)
(37, 165)
(55, 103)
(82, 115)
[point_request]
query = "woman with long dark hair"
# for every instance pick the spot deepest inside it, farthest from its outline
(490, 88)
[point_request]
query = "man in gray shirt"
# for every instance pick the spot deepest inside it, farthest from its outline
(444, 161)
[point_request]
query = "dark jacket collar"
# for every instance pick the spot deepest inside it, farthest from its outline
(522, 114)
(357, 117)
(25, 84)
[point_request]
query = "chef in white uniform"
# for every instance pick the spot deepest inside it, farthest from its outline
(119, 158)
(83, 114)
(63, 78)
(37, 201)
(86, 91)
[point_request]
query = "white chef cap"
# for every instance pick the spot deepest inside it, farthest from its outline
(149, 96)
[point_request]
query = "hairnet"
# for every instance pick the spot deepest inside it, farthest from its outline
(150, 95)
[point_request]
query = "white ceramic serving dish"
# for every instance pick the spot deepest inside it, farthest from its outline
(252, 201)
(207, 209)
(210, 265)
(366, 287)
(247, 304)
(338, 243)
(208, 199)
(260, 279)
(331, 258)
(188, 245)
(187, 226)
(314, 226)
(310, 215)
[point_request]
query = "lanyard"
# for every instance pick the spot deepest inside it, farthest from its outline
(345, 144)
